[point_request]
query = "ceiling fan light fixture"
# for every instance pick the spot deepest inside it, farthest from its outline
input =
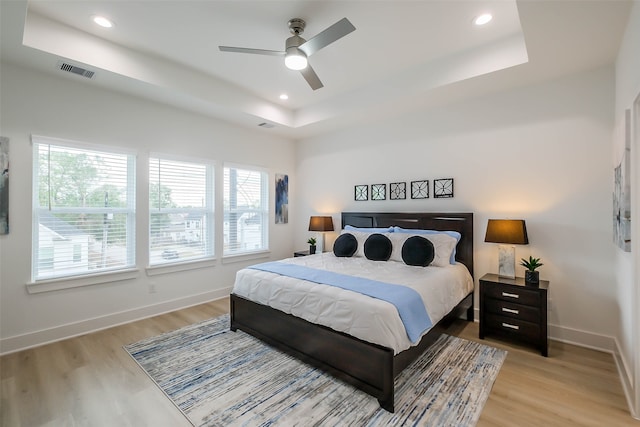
(295, 59)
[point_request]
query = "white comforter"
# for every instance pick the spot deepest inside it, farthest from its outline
(361, 316)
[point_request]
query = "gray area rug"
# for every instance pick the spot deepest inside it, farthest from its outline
(221, 378)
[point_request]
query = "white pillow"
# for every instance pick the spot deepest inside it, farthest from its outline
(443, 246)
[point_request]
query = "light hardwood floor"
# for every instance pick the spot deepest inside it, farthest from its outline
(91, 381)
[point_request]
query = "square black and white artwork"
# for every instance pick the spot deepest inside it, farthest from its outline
(378, 191)
(420, 189)
(443, 188)
(361, 193)
(397, 191)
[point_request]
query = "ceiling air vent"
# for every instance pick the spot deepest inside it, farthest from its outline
(266, 125)
(64, 66)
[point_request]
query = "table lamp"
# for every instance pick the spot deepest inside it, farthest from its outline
(507, 232)
(321, 224)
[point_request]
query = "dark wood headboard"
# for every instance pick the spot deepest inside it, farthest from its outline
(449, 221)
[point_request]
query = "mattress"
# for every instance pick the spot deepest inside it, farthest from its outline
(370, 319)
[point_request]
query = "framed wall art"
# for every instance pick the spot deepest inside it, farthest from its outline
(622, 190)
(397, 191)
(282, 198)
(420, 189)
(378, 191)
(361, 193)
(4, 185)
(443, 188)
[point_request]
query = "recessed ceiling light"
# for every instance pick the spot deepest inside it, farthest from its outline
(483, 19)
(102, 21)
(284, 96)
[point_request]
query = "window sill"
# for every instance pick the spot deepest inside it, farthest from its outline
(154, 270)
(232, 259)
(79, 281)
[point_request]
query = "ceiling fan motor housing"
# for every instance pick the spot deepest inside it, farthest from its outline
(296, 26)
(293, 41)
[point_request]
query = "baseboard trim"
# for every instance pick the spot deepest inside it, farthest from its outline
(582, 338)
(626, 378)
(70, 330)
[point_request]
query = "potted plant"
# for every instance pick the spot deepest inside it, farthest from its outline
(531, 276)
(312, 245)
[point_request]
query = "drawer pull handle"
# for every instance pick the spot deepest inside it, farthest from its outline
(510, 326)
(510, 310)
(510, 295)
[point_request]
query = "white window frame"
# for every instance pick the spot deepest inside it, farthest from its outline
(208, 211)
(263, 211)
(69, 280)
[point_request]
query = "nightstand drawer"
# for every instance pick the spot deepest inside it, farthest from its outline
(513, 327)
(515, 311)
(516, 294)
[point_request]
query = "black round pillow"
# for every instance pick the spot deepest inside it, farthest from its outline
(377, 247)
(418, 251)
(345, 245)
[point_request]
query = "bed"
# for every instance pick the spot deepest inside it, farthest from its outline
(367, 365)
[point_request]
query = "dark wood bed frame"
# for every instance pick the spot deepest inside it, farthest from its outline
(369, 367)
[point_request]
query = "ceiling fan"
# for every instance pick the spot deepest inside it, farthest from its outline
(298, 49)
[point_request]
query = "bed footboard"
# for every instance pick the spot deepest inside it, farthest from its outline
(369, 367)
(364, 365)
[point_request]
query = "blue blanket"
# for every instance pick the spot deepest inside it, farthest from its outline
(407, 301)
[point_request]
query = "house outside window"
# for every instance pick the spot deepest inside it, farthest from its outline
(246, 210)
(77, 253)
(83, 209)
(46, 258)
(181, 209)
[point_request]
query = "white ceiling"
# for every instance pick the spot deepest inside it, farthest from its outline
(403, 54)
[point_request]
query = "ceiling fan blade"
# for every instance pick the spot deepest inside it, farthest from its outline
(328, 36)
(254, 51)
(311, 77)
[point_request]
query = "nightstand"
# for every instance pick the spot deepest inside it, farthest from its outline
(511, 309)
(301, 253)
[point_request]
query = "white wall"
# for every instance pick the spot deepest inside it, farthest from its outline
(70, 108)
(541, 153)
(627, 280)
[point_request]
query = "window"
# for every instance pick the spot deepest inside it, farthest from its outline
(246, 211)
(83, 210)
(181, 211)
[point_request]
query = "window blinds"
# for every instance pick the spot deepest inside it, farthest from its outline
(246, 214)
(84, 210)
(181, 210)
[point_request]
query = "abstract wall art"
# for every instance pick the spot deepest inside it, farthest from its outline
(282, 198)
(622, 190)
(4, 185)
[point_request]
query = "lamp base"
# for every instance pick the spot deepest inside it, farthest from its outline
(507, 261)
(320, 243)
